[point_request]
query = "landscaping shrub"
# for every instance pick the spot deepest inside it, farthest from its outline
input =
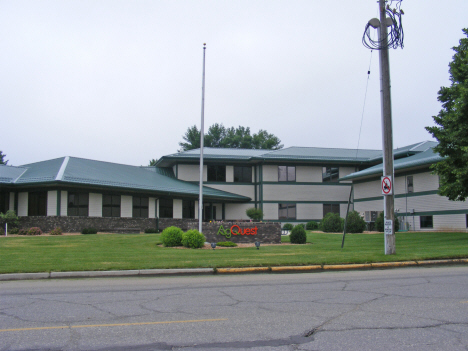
(23, 232)
(332, 223)
(355, 223)
(9, 217)
(13, 230)
(2, 231)
(288, 226)
(56, 231)
(172, 236)
(151, 230)
(379, 223)
(312, 225)
(298, 235)
(193, 239)
(89, 231)
(34, 231)
(226, 244)
(255, 214)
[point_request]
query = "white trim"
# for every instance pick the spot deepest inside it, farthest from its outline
(62, 168)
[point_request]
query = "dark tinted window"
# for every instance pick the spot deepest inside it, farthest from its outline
(286, 174)
(330, 174)
(242, 174)
(287, 211)
(216, 173)
(78, 204)
(111, 205)
(409, 184)
(3, 202)
(334, 208)
(426, 221)
(37, 203)
(166, 208)
(188, 209)
(140, 207)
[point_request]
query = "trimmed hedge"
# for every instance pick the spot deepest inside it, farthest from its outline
(312, 225)
(288, 226)
(332, 223)
(193, 239)
(151, 230)
(355, 223)
(88, 231)
(255, 214)
(226, 244)
(298, 235)
(172, 236)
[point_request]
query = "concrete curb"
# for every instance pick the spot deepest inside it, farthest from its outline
(248, 270)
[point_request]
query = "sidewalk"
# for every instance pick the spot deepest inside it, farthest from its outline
(246, 270)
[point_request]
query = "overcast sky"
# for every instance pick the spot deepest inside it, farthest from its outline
(120, 81)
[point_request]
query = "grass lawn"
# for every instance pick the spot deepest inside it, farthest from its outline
(140, 251)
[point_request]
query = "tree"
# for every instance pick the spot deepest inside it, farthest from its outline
(220, 136)
(2, 158)
(452, 129)
(153, 162)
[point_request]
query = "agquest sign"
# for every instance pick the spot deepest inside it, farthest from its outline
(236, 230)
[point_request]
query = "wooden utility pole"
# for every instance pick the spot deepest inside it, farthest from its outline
(387, 133)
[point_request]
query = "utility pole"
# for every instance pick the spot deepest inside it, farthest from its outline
(202, 135)
(387, 133)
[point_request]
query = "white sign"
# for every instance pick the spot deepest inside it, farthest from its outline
(387, 185)
(388, 227)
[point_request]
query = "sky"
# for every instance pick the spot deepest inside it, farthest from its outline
(121, 81)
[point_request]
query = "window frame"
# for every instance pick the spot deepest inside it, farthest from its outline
(426, 220)
(112, 206)
(37, 203)
(289, 207)
(328, 170)
(331, 210)
(78, 205)
(140, 210)
(409, 189)
(219, 173)
(244, 178)
(166, 206)
(286, 170)
(188, 209)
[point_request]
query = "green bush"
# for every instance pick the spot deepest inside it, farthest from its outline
(9, 217)
(56, 231)
(379, 223)
(14, 230)
(288, 226)
(355, 223)
(332, 223)
(312, 225)
(34, 231)
(89, 231)
(226, 244)
(2, 231)
(193, 239)
(255, 214)
(298, 235)
(151, 230)
(172, 236)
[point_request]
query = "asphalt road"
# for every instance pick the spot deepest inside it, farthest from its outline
(398, 309)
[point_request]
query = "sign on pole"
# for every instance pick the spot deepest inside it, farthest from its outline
(388, 227)
(387, 185)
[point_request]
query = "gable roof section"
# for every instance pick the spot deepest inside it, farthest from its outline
(79, 171)
(425, 158)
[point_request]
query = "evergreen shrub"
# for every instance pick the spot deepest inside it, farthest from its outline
(332, 223)
(193, 239)
(355, 223)
(255, 214)
(226, 244)
(288, 226)
(312, 225)
(172, 236)
(298, 235)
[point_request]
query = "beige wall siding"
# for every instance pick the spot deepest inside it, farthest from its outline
(95, 205)
(284, 192)
(375, 205)
(23, 204)
(237, 211)
(344, 171)
(189, 173)
(309, 211)
(229, 174)
(126, 206)
(367, 189)
(449, 222)
(177, 208)
(308, 174)
(270, 211)
(151, 207)
(244, 190)
(270, 173)
(52, 203)
(12, 201)
(64, 203)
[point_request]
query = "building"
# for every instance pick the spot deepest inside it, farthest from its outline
(295, 184)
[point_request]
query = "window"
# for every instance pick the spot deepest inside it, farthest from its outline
(286, 174)
(3, 202)
(111, 205)
(466, 220)
(330, 174)
(287, 211)
(78, 204)
(242, 174)
(216, 173)
(166, 208)
(333, 208)
(37, 203)
(140, 207)
(426, 221)
(188, 209)
(409, 184)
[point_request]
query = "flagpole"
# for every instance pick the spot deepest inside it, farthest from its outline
(202, 134)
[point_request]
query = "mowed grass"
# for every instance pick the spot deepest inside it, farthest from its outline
(141, 251)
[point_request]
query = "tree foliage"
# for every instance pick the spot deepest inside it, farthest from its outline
(2, 158)
(452, 129)
(220, 136)
(152, 162)
(255, 214)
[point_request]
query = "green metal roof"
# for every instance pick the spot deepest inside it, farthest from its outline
(79, 171)
(321, 154)
(425, 158)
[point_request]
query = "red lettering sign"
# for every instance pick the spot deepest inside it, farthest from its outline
(246, 231)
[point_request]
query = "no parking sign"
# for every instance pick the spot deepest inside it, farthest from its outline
(387, 185)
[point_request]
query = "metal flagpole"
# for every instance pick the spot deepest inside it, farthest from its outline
(202, 134)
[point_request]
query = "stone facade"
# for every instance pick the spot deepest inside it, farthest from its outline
(254, 231)
(74, 224)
